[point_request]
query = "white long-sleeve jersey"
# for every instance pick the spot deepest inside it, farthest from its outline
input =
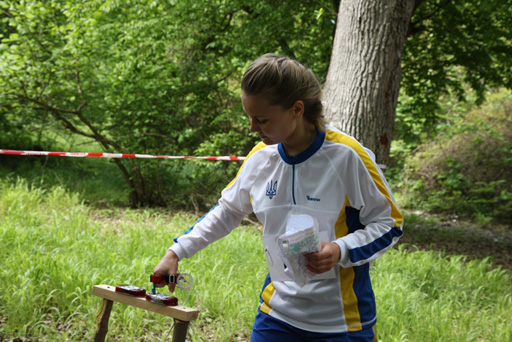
(335, 180)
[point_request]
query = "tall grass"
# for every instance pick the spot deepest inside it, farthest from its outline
(424, 296)
(98, 181)
(54, 249)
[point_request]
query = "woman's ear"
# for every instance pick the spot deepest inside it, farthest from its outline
(298, 108)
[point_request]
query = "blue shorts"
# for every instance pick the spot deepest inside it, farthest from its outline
(270, 329)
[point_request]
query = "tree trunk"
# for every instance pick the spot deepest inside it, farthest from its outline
(363, 81)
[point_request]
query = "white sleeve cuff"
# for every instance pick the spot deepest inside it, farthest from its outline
(344, 258)
(179, 251)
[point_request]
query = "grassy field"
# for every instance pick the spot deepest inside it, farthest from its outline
(54, 248)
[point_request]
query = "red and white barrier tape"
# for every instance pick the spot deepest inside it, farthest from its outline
(109, 155)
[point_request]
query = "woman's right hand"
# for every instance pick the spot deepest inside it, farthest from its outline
(168, 265)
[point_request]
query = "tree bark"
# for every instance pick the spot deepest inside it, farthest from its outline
(363, 81)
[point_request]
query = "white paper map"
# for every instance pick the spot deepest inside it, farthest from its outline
(301, 237)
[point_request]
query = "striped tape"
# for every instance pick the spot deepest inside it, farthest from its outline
(109, 155)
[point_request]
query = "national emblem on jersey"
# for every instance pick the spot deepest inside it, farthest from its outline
(271, 189)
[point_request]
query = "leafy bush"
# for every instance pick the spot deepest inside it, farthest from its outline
(467, 168)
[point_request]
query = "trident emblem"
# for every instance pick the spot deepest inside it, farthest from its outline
(271, 189)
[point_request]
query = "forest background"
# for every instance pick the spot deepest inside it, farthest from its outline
(163, 77)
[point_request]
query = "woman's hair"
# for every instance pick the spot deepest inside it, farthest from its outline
(284, 81)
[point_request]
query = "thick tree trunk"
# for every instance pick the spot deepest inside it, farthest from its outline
(363, 82)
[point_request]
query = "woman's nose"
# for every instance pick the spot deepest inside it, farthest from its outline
(254, 125)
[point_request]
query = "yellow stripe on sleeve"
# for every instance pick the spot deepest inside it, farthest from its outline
(350, 307)
(370, 166)
(255, 149)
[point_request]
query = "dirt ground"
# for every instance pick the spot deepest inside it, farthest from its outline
(455, 237)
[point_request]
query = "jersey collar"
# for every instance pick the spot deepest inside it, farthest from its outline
(303, 156)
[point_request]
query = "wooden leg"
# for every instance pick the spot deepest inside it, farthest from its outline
(102, 320)
(180, 331)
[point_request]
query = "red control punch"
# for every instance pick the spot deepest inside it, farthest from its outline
(131, 290)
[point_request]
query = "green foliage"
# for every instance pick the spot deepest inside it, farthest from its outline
(467, 169)
(452, 44)
(55, 249)
(162, 77)
(148, 77)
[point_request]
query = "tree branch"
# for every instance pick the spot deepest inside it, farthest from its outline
(56, 111)
(428, 16)
(416, 27)
(286, 48)
(78, 86)
(69, 125)
(51, 108)
(6, 12)
(45, 84)
(229, 17)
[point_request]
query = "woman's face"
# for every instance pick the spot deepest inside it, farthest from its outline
(274, 124)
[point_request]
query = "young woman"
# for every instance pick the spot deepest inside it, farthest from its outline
(303, 166)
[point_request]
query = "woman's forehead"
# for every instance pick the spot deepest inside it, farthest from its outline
(255, 103)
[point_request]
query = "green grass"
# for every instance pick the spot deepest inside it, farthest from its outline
(423, 296)
(54, 248)
(96, 180)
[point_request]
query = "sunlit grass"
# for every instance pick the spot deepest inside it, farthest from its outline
(54, 249)
(423, 296)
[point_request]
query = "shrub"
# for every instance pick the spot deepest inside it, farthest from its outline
(467, 168)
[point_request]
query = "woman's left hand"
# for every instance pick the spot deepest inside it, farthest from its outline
(324, 260)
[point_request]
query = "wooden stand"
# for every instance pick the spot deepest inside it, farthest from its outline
(181, 314)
